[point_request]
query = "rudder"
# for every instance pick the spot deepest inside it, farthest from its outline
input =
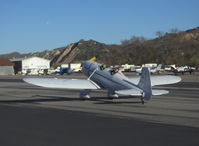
(145, 83)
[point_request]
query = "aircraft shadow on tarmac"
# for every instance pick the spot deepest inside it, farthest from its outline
(97, 100)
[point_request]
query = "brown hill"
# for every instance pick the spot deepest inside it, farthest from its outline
(181, 48)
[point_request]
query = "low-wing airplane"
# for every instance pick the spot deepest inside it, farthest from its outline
(152, 70)
(114, 81)
(182, 70)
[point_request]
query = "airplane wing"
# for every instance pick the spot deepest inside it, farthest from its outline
(158, 80)
(62, 83)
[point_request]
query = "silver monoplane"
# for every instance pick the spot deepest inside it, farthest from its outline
(113, 80)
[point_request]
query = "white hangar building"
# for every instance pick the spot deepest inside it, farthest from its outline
(34, 65)
(31, 65)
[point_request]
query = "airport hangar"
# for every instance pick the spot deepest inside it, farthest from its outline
(30, 65)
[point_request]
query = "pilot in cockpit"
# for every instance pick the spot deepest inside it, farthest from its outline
(103, 66)
(114, 70)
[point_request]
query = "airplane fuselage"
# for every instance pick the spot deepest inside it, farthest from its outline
(105, 79)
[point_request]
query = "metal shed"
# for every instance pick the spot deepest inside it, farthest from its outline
(6, 67)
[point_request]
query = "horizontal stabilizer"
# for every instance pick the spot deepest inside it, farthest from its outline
(158, 80)
(159, 92)
(131, 92)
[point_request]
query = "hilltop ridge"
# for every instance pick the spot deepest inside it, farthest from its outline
(171, 48)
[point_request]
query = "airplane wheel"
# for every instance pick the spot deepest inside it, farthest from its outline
(142, 98)
(84, 95)
(142, 101)
(83, 99)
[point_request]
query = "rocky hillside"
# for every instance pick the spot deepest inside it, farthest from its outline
(181, 48)
(75, 52)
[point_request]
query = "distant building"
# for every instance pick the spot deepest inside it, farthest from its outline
(6, 67)
(150, 65)
(17, 65)
(31, 65)
(73, 66)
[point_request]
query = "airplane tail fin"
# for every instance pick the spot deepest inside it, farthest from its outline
(69, 69)
(173, 68)
(145, 83)
(159, 67)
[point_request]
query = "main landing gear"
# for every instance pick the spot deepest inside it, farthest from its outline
(84, 94)
(112, 95)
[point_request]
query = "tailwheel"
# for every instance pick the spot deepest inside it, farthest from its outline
(142, 98)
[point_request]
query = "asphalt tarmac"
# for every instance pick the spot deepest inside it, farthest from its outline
(33, 115)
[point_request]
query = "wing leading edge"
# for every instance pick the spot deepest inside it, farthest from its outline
(62, 83)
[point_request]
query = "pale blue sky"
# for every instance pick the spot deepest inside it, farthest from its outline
(36, 25)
